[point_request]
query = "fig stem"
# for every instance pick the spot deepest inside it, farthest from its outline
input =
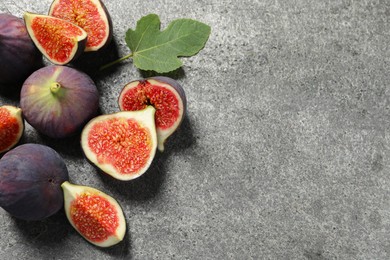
(116, 61)
(55, 87)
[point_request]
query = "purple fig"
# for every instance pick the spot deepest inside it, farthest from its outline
(58, 100)
(19, 56)
(30, 181)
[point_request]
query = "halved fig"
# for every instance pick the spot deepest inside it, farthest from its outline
(95, 215)
(30, 181)
(59, 100)
(121, 144)
(91, 15)
(11, 127)
(163, 93)
(19, 56)
(60, 41)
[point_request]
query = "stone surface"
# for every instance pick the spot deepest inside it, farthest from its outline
(284, 153)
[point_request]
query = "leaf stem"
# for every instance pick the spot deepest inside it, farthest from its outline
(116, 61)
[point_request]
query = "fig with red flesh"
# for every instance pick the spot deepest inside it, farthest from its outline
(165, 94)
(91, 15)
(19, 56)
(121, 144)
(59, 100)
(59, 41)
(11, 127)
(95, 215)
(30, 181)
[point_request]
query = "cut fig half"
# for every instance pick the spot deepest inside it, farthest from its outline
(60, 41)
(91, 15)
(94, 214)
(121, 144)
(11, 127)
(163, 93)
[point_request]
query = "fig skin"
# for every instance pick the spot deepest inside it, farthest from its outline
(58, 100)
(19, 56)
(142, 100)
(113, 149)
(11, 127)
(100, 201)
(66, 36)
(61, 9)
(30, 182)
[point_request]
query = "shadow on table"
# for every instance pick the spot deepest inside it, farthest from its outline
(52, 231)
(11, 92)
(91, 62)
(148, 185)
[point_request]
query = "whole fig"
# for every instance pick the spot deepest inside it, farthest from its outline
(30, 181)
(19, 56)
(58, 100)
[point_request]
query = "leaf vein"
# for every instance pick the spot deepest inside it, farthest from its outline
(164, 43)
(142, 37)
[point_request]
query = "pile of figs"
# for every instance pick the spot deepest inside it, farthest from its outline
(70, 28)
(60, 101)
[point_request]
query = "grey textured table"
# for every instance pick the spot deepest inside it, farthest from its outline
(285, 150)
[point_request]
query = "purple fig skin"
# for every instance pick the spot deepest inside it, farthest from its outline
(58, 100)
(19, 56)
(110, 27)
(30, 182)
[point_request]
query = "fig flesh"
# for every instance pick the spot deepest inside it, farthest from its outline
(30, 181)
(19, 56)
(11, 127)
(95, 215)
(91, 15)
(121, 144)
(165, 94)
(59, 40)
(58, 100)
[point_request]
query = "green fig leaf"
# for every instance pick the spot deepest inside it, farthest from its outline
(159, 51)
